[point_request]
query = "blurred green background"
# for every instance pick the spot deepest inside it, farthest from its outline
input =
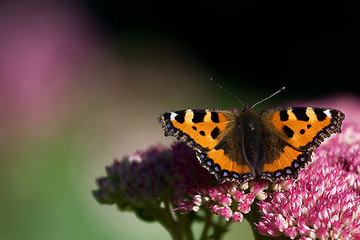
(82, 83)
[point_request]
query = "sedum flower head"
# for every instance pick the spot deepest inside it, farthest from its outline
(324, 202)
(196, 188)
(137, 182)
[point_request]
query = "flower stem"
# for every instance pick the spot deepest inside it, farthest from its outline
(252, 217)
(165, 218)
(220, 228)
(208, 222)
(185, 226)
(177, 224)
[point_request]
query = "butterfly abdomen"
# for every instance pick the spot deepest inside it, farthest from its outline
(250, 125)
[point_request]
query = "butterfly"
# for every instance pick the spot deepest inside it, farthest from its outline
(273, 144)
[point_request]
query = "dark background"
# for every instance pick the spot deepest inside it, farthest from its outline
(311, 48)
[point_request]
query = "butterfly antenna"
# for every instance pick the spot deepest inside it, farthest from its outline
(278, 91)
(212, 79)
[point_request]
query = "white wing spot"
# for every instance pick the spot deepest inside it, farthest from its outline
(327, 112)
(172, 116)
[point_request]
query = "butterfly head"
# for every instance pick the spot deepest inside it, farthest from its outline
(247, 106)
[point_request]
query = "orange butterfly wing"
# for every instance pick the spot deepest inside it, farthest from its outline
(209, 133)
(292, 135)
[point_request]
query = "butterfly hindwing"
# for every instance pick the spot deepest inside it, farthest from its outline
(284, 162)
(227, 160)
(214, 137)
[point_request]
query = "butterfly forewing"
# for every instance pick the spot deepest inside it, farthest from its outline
(211, 134)
(303, 128)
(201, 129)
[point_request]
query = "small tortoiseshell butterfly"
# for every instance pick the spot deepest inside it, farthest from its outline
(273, 144)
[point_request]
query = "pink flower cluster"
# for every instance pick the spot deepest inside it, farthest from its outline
(231, 200)
(197, 188)
(137, 181)
(324, 201)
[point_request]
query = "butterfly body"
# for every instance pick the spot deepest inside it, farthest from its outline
(273, 144)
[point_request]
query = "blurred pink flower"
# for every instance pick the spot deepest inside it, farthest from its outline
(139, 181)
(43, 46)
